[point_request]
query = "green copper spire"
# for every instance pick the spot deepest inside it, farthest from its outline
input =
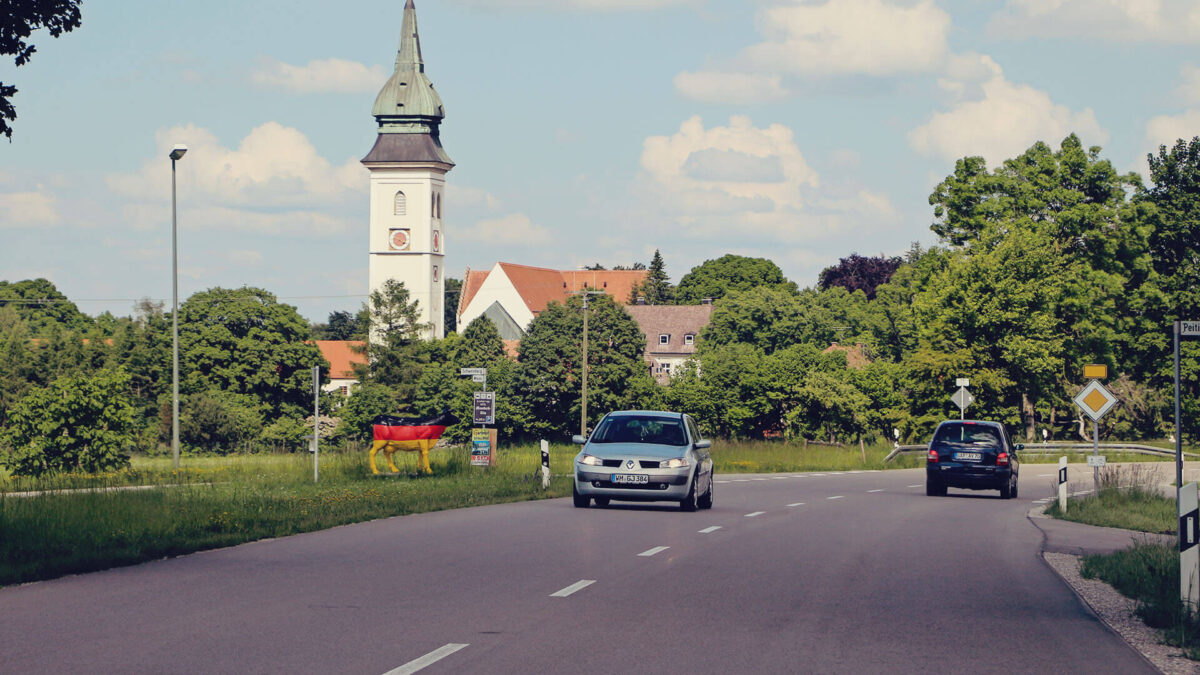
(408, 103)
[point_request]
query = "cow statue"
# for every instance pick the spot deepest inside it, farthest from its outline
(412, 434)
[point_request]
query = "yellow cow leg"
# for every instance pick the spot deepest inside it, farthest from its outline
(375, 446)
(388, 452)
(425, 445)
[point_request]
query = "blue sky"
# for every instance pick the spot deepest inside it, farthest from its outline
(583, 130)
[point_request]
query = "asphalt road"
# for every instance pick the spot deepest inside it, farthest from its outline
(833, 573)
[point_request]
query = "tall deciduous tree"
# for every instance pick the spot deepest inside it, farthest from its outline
(43, 307)
(20, 19)
(717, 278)
(860, 273)
(243, 341)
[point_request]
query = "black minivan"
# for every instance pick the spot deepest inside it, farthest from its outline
(973, 455)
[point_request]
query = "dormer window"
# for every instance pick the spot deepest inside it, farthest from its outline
(401, 206)
(689, 339)
(664, 339)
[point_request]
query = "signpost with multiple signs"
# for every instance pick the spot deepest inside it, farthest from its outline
(1095, 401)
(963, 397)
(483, 413)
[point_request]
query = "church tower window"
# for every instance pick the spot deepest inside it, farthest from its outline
(401, 207)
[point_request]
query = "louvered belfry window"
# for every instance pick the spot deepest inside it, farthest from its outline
(401, 206)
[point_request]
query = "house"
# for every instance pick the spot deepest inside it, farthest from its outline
(672, 332)
(342, 355)
(512, 295)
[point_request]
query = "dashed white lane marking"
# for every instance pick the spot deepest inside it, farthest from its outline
(742, 480)
(817, 474)
(780, 477)
(652, 551)
(427, 660)
(755, 514)
(796, 504)
(577, 586)
(917, 485)
(1045, 475)
(874, 490)
(834, 497)
(761, 479)
(707, 530)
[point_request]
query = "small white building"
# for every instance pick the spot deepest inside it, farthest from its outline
(672, 332)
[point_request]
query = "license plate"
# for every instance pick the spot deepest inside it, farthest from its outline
(968, 456)
(630, 478)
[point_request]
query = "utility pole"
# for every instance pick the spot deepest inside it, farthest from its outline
(584, 399)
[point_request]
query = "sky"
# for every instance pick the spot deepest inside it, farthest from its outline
(583, 131)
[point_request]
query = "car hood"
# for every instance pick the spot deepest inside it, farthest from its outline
(614, 450)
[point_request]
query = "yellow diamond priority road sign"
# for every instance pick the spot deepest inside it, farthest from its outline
(1095, 400)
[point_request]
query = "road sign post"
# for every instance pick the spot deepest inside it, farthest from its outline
(1095, 401)
(316, 439)
(1062, 484)
(1189, 552)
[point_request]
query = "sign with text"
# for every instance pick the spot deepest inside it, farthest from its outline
(483, 447)
(1189, 329)
(485, 408)
(472, 371)
(1097, 460)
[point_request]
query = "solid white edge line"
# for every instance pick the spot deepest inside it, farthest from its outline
(756, 513)
(874, 490)
(796, 504)
(427, 660)
(917, 485)
(835, 497)
(649, 552)
(707, 530)
(577, 586)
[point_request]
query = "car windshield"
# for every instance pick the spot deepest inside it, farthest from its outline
(969, 434)
(637, 429)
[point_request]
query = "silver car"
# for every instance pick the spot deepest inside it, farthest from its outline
(644, 455)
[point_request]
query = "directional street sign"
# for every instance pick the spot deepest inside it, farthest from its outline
(962, 398)
(1095, 400)
(1189, 330)
(472, 371)
(479, 378)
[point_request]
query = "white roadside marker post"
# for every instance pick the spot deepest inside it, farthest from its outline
(545, 464)
(1189, 553)
(316, 444)
(1062, 484)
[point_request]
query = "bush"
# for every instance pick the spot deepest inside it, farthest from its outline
(217, 421)
(287, 433)
(78, 423)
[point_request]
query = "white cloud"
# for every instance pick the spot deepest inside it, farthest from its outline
(1166, 129)
(244, 257)
(730, 88)
(25, 210)
(511, 229)
(320, 75)
(577, 4)
(851, 36)
(273, 166)
(996, 118)
(1115, 20)
(1189, 90)
(748, 181)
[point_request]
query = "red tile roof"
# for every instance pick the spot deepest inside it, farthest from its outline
(538, 286)
(341, 356)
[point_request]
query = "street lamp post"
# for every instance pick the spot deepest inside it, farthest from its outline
(584, 395)
(176, 153)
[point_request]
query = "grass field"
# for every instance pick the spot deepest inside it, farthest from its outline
(87, 523)
(1129, 498)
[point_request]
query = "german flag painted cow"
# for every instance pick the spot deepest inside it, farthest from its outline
(411, 434)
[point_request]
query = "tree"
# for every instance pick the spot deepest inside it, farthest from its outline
(77, 423)
(717, 278)
(656, 289)
(218, 421)
(859, 273)
(369, 399)
(545, 385)
(43, 307)
(341, 326)
(773, 318)
(21, 18)
(243, 341)
(393, 353)
(1175, 241)
(450, 306)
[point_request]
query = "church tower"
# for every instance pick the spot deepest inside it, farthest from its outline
(408, 178)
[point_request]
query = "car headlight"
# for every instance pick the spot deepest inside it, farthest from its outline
(590, 461)
(676, 463)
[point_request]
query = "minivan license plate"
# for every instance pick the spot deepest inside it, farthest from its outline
(968, 456)
(630, 478)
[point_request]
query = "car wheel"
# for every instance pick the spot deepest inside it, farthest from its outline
(581, 501)
(689, 502)
(1014, 488)
(706, 501)
(601, 501)
(933, 489)
(1006, 490)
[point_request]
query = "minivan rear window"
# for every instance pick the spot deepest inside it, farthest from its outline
(970, 434)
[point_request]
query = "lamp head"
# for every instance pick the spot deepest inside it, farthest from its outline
(178, 151)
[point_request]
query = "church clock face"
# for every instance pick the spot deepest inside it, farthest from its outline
(398, 240)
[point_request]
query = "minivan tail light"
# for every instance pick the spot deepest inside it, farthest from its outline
(1002, 459)
(932, 457)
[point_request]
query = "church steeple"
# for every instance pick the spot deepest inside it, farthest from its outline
(408, 103)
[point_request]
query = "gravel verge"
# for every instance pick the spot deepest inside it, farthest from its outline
(1117, 612)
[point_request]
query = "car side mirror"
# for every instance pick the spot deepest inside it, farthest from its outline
(700, 445)
(578, 440)
(1020, 447)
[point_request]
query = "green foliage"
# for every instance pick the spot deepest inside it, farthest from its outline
(218, 421)
(450, 304)
(341, 326)
(287, 433)
(20, 20)
(774, 318)
(717, 278)
(657, 288)
(242, 341)
(77, 423)
(368, 400)
(544, 389)
(394, 350)
(42, 306)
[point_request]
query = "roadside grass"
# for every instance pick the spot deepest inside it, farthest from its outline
(1149, 574)
(786, 456)
(1129, 498)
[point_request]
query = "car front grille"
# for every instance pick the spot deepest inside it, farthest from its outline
(619, 463)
